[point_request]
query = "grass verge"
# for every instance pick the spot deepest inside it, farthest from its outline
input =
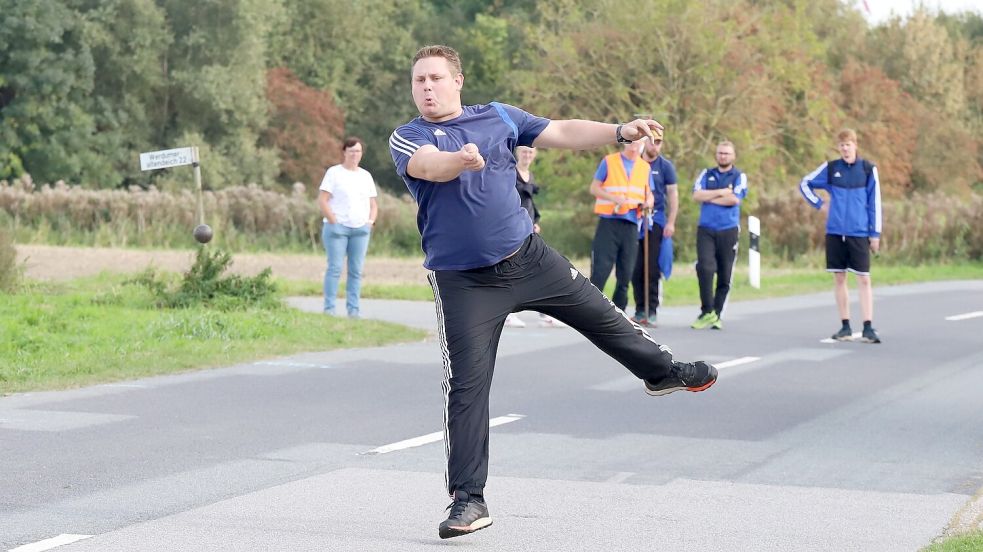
(682, 289)
(99, 330)
(970, 542)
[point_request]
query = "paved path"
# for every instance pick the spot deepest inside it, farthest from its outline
(801, 445)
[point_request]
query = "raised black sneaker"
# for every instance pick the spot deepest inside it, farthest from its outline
(845, 334)
(469, 513)
(869, 336)
(684, 376)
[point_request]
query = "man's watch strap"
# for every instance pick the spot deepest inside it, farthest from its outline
(621, 139)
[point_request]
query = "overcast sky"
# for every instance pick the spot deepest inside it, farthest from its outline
(881, 10)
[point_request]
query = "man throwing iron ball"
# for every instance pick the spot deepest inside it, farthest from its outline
(487, 262)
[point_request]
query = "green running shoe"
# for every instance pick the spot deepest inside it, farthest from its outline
(705, 320)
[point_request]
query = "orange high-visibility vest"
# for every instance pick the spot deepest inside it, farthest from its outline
(618, 183)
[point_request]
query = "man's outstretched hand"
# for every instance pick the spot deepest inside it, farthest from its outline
(471, 158)
(642, 128)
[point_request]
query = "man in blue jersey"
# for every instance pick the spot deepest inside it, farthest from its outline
(486, 261)
(853, 227)
(719, 191)
(662, 223)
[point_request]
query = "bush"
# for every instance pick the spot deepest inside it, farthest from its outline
(9, 271)
(204, 285)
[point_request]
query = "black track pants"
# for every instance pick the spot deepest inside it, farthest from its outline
(638, 277)
(615, 245)
(716, 253)
(471, 310)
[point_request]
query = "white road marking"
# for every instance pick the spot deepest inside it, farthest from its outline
(289, 364)
(737, 362)
(437, 436)
(966, 316)
(631, 383)
(48, 544)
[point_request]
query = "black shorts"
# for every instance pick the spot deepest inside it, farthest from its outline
(847, 253)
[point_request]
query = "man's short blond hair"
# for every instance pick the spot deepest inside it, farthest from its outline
(727, 143)
(847, 135)
(439, 50)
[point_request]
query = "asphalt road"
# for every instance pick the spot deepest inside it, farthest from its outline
(801, 445)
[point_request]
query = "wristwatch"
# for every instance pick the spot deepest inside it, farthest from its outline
(617, 134)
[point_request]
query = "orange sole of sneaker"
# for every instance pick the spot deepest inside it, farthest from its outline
(702, 387)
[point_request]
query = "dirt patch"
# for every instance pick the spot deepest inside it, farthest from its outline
(46, 262)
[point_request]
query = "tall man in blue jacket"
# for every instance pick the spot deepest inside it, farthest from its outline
(720, 191)
(853, 227)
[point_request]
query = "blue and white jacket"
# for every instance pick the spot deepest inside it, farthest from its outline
(721, 217)
(854, 197)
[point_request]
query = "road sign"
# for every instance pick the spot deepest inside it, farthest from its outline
(166, 158)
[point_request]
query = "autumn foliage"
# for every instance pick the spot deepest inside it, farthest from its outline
(306, 127)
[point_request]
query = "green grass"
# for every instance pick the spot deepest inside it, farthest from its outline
(406, 292)
(970, 542)
(99, 330)
(682, 289)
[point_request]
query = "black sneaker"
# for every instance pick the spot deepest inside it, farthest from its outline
(845, 334)
(869, 336)
(694, 377)
(468, 514)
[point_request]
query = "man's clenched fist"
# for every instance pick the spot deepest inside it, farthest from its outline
(472, 159)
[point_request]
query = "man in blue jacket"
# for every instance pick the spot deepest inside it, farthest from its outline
(719, 191)
(853, 227)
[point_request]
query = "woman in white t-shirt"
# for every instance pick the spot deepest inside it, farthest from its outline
(347, 201)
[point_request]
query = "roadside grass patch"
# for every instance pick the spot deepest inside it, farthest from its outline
(404, 291)
(682, 289)
(106, 328)
(9, 269)
(970, 542)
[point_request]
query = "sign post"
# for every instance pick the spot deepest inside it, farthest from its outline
(754, 254)
(153, 160)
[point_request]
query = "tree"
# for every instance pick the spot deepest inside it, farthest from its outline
(355, 52)
(216, 86)
(306, 127)
(129, 41)
(46, 75)
(886, 119)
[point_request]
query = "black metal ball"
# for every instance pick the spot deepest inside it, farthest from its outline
(203, 233)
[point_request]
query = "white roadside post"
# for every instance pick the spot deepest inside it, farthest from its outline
(754, 255)
(163, 159)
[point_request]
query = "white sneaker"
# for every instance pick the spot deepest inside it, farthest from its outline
(550, 322)
(513, 321)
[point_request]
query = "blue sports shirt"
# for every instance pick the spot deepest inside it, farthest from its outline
(721, 217)
(854, 197)
(476, 219)
(663, 174)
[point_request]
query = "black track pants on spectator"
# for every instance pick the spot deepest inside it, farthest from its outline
(716, 253)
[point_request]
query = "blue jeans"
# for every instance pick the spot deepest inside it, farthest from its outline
(340, 240)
